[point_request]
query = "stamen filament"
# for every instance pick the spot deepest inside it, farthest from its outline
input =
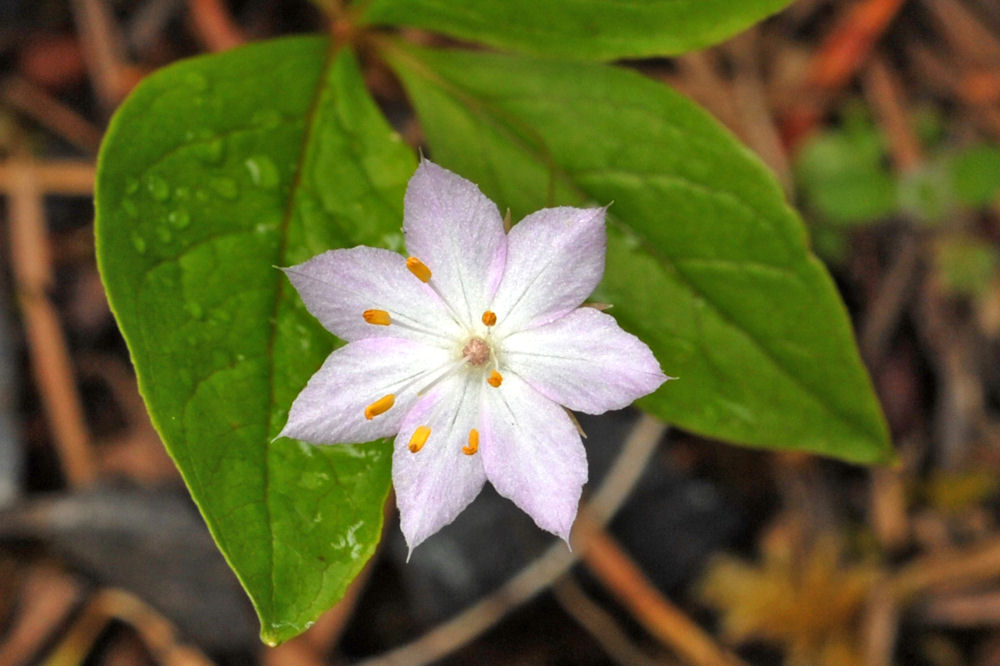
(377, 317)
(419, 269)
(419, 438)
(473, 443)
(380, 406)
(495, 379)
(489, 318)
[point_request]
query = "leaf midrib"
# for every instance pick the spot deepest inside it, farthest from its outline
(280, 287)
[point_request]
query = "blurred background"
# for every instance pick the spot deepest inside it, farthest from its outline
(882, 120)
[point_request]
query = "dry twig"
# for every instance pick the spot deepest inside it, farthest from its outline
(50, 360)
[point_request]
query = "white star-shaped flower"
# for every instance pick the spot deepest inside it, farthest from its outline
(468, 352)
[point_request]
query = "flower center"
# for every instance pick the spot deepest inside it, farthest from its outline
(476, 351)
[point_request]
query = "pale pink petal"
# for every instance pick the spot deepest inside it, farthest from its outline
(584, 361)
(436, 483)
(555, 258)
(338, 286)
(533, 454)
(331, 408)
(457, 232)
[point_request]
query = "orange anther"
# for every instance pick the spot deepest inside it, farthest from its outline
(495, 379)
(489, 317)
(380, 406)
(419, 438)
(419, 269)
(377, 317)
(473, 443)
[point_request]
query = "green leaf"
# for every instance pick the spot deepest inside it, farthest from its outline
(706, 262)
(215, 171)
(844, 174)
(975, 175)
(581, 29)
(965, 265)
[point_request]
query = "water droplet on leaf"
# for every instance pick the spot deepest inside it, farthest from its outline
(225, 187)
(263, 173)
(139, 243)
(158, 188)
(131, 185)
(210, 152)
(180, 218)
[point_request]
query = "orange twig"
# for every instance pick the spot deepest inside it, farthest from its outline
(49, 356)
(103, 50)
(49, 112)
(843, 52)
(624, 579)
(66, 177)
(214, 26)
(887, 98)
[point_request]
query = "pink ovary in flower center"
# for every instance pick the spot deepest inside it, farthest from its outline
(476, 351)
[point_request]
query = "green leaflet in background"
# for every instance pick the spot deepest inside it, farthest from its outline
(580, 29)
(706, 261)
(213, 172)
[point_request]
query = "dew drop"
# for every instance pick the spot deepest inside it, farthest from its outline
(201, 195)
(224, 187)
(179, 218)
(129, 207)
(158, 187)
(263, 173)
(183, 193)
(210, 152)
(164, 234)
(131, 185)
(194, 310)
(139, 243)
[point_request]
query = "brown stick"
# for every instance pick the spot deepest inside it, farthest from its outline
(624, 579)
(843, 52)
(65, 177)
(50, 362)
(600, 624)
(213, 25)
(960, 567)
(887, 97)
(103, 50)
(49, 112)
(157, 633)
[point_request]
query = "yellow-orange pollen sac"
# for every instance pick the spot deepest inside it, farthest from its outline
(489, 318)
(419, 269)
(473, 443)
(419, 438)
(377, 317)
(495, 379)
(380, 406)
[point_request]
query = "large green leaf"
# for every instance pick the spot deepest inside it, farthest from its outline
(581, 29)
(215, 171)
(706, 261)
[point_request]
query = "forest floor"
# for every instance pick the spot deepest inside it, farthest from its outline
(881, 118)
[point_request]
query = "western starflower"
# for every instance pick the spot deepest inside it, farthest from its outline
(468, 352)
